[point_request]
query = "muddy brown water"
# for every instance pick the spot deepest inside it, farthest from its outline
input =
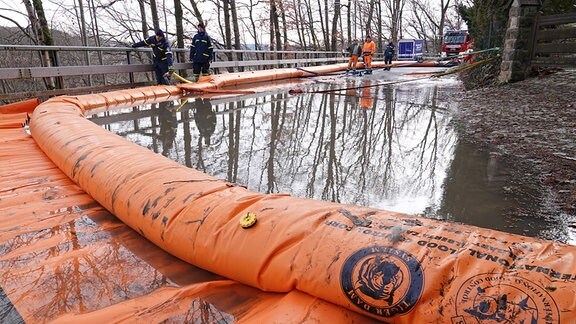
(384, 141)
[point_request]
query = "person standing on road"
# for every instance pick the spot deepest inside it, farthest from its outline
(201, 53)
(354, 51)
(388, 54)
(368, 51)
(162, 61)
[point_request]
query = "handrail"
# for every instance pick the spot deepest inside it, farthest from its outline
(124, 49)
(17, 80)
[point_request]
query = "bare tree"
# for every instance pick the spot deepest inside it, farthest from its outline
(284, 28)
(143, 15)
(196, 12)
(395, 9)
(349, 20)
(335, 20)
(252, 27)
(154, 10)
(227, 24)
(428, 22)
(370, 15)
(178, 15)
(43, 36)
(323, 17)
(275, 37)
(23, 29)
(311, 29)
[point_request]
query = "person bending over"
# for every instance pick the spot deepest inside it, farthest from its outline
(162, 61)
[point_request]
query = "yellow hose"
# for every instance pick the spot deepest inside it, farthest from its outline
(179, 77)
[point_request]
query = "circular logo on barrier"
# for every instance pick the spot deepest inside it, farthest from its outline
(382, 280)
(497, 298)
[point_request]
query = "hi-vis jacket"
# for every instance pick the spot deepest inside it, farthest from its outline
(161, 49)
(369, 48)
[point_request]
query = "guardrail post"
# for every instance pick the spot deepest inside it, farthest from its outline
(131, 74)
(59, 79)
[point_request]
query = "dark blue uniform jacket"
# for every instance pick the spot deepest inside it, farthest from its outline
(161, 49)
(201, 50)
(389, 49)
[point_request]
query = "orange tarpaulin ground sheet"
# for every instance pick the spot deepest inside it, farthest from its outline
(64, 258)
(389, 266)
(26, 106)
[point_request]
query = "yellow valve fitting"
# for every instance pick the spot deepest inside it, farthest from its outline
(248, 220)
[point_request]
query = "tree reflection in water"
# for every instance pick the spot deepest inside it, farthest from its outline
(383, 146)
(379, 146)
(86, 264)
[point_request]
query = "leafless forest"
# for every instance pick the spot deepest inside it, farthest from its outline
(236, 24)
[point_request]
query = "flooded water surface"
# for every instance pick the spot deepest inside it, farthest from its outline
(375, 141)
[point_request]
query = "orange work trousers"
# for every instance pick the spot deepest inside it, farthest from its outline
(368, 61)
(352, 61)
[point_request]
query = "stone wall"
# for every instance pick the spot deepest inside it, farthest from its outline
(518, 41)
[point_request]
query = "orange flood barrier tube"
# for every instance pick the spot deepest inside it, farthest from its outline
(390, 266)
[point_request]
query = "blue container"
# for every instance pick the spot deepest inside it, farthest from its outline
(410, 49)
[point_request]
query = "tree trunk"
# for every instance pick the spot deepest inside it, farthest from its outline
(395, 8)
(323, 27)
(227, 30)
(81, 22)
(178, 15)
(155, 19)
(275, 36)
(42, 35)
(335, 19)
(315, 41)
(144, 21)
(369, 16)
(196, 12)
(380, 34)
(83, 34)
(235, 26)
(227, 24)
(349, 21)
(96, 33)
(444, 9)
(253, 26)
(299, 22)
(284, 28)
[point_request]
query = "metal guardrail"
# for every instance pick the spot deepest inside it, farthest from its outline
(255, 59)
(128, 65)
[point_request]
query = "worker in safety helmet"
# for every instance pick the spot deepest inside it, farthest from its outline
(368, 50)
(162, 52)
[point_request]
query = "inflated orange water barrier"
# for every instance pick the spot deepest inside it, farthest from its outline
(66, 259)
(232, 79)
(390, 266)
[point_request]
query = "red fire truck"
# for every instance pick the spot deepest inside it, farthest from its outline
(457, 42)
